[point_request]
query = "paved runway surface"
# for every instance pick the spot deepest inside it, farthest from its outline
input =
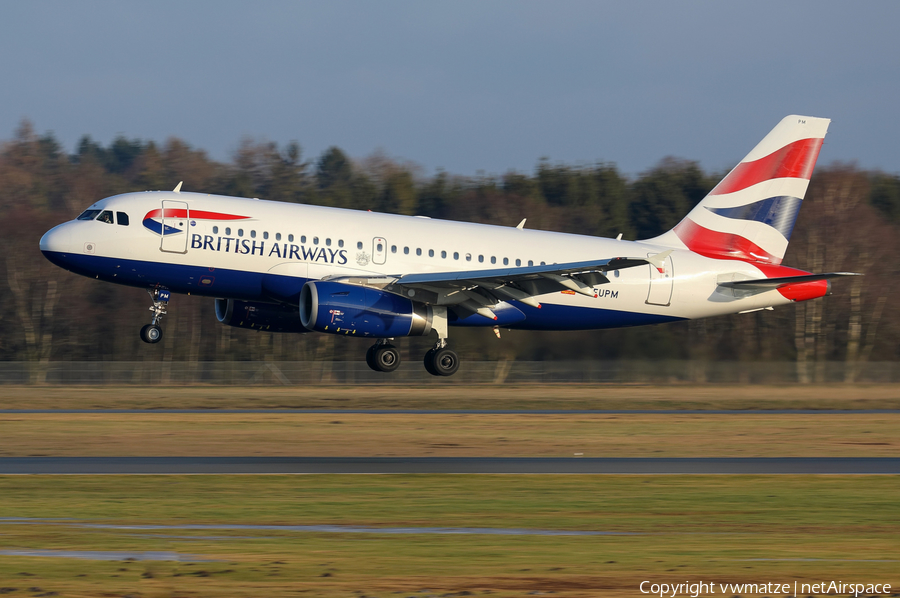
(468, 411)
(441, 465)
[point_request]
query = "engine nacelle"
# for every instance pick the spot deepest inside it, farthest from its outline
(270, 317)
(339, 308)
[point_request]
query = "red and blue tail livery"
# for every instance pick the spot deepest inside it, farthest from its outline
(750, 215)
(293, 268)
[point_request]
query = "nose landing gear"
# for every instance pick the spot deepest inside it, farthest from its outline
(152, 333)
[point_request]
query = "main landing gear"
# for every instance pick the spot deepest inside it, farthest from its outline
(383, 356)
(439, 360)
(152, 333)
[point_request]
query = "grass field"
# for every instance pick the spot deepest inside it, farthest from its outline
(727, 529)
(449, 435)
(715, 528)
(576, 396)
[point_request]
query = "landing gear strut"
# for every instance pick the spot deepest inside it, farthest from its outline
(440, 360)
(152, 333)
(383, 356)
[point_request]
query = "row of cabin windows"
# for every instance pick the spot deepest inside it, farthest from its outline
(468, 256)
(290, 238)
(105, 216)
(359, 245)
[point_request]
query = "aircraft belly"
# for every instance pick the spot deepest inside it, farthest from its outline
(178, 278)
(553, 316)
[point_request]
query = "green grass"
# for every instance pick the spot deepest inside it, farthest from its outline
(684, 527)
(487, 396)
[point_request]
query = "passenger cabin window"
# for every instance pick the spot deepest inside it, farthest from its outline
(518, 262)
(265, 235)
(340, 242)
(530, 263)
(106, 216)
(493, 259)
(253, 234)
(122, 218)
(456, 255)
(228, 231)
(380, 247)
(327, 242)
(290, 238)
(315, 240)
(418, 251)
(481, 259)
(277, 236)
(393, 249)
(468, 257)
(302, 238)
(359, 244)
(506, 261)
(431, 253)
(215, 230)
(406, 251)
(444, 254)
(240, 232)
(88, 215)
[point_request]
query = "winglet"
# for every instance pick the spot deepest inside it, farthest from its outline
(658, 260)
(521, 225)
(177, 188)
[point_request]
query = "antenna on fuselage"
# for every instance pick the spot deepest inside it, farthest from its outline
(177, 188)
(521, 225)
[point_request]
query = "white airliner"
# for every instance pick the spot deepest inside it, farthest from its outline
(283, 267)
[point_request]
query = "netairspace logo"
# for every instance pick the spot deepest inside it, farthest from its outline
(672, 590)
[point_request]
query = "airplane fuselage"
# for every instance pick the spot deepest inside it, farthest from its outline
(258, 250)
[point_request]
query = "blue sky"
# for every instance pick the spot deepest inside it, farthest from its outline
(463, 86)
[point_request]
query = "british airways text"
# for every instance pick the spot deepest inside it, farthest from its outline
(287, 251)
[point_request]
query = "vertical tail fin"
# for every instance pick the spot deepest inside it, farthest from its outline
(750, 214)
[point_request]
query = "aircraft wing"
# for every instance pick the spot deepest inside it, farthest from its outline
(476, 291)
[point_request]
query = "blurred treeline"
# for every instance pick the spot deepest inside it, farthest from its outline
(850, 222)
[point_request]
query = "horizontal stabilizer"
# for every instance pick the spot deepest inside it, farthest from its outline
(783, 281)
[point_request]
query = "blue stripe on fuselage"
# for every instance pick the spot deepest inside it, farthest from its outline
(569, 317)
(255, 286)
(233, 284)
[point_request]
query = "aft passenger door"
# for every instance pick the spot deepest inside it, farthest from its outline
(379, 250)
(175, 216)
(661, 283)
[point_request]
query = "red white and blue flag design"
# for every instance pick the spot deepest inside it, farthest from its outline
(157, 220)
(749, 216)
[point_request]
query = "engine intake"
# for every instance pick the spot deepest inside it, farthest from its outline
(339, 308)
(271, 317)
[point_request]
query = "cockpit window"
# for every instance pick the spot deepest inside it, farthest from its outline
(88, 214)
(106, 216)
(122, 218)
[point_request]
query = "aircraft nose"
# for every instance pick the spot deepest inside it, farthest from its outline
(57, 240)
